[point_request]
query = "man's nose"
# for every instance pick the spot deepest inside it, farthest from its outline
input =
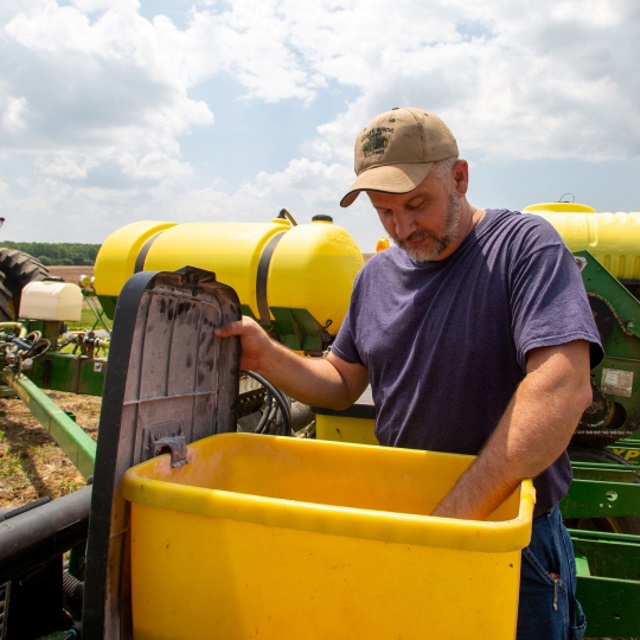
(405, 224)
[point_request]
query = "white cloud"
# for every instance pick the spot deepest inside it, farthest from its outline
(516, 80)
(65, 166)
(13, 118)
(103, 98)
(98, 95)
(90, 6)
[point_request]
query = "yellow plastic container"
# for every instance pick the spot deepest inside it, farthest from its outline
(282, 538)
(116, 260)
(311, 266)
(559, 207)
(355, 424)
(612, 238)
(232, 250)
(345, 429)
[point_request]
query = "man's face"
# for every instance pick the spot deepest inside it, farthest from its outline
(424, 222)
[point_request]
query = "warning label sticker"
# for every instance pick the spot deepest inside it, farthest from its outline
(617, 382)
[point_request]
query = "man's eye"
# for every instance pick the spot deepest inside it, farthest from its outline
(415, 205)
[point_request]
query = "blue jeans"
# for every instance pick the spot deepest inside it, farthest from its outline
(548, 607)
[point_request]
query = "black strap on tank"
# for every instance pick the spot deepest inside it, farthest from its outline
(142, 256)
(261, 279)
(261, 276)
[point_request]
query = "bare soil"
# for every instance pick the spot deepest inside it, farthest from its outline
(71, 274)
(31, 464)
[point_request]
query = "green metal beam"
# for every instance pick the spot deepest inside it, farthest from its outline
(601, 499)
(78, 446)
(69, 372)
(611, 606)
(604, 471)
(628, 449)
(608, 567)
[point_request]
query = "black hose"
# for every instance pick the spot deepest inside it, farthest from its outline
(42, 533)
(286, 409)
(267, 415)
(72, 594)
(275, 400)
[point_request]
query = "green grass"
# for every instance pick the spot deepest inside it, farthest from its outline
(87, 321)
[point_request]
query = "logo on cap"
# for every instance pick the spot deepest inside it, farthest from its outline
(375, 142)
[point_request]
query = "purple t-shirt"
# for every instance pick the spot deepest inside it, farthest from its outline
(446, 342)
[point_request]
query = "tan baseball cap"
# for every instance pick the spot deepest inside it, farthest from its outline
(396, 151)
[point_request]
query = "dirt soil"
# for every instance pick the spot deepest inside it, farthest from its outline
(71, 274)
(31, 464)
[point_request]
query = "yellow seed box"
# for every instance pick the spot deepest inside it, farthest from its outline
(282, 538)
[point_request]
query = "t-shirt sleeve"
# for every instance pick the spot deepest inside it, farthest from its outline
(549, 302)
(344, 346)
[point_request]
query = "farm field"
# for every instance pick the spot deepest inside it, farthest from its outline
(71, 274)
(31, 464)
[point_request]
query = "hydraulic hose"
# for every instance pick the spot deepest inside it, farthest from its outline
(275, 400)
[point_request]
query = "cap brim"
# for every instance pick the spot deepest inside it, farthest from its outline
(399, 178)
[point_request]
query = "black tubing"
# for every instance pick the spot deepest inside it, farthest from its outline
(43, 533)
(72, 594)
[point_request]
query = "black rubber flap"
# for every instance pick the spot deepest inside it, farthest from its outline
(167, 375)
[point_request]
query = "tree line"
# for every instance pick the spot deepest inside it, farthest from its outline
(63, 253)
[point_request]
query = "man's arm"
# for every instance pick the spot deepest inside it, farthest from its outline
(324, 382)
(533, 432)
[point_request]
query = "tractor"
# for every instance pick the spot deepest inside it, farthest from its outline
(17, 269)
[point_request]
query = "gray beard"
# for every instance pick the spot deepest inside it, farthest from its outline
(439, 242)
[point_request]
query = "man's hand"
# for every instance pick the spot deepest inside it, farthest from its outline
(256, 344)
(323, 382)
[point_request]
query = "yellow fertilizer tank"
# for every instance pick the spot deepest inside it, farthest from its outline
(612, 238)
(294, 279)
(244, 542)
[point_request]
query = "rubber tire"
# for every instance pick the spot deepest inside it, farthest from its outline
(624, 524)
(17, 269)
(6, 303)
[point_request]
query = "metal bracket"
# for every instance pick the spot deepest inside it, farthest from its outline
(166, 437)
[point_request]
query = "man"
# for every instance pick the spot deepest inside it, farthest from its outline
(476, 336)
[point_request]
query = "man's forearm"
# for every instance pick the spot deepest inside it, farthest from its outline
(314, 381)
(533, 432)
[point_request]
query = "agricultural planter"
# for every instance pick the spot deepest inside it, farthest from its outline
(167, 383)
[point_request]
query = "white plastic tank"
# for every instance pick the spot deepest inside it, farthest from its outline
(61, 301)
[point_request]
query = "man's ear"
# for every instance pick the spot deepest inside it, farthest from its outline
(460, 175)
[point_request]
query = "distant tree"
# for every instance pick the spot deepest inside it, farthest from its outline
(62, 253)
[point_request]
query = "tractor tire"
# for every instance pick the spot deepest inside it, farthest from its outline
(6, 303)
(623, 524)
(17, 269)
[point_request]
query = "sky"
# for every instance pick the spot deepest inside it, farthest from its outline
(115, 111)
